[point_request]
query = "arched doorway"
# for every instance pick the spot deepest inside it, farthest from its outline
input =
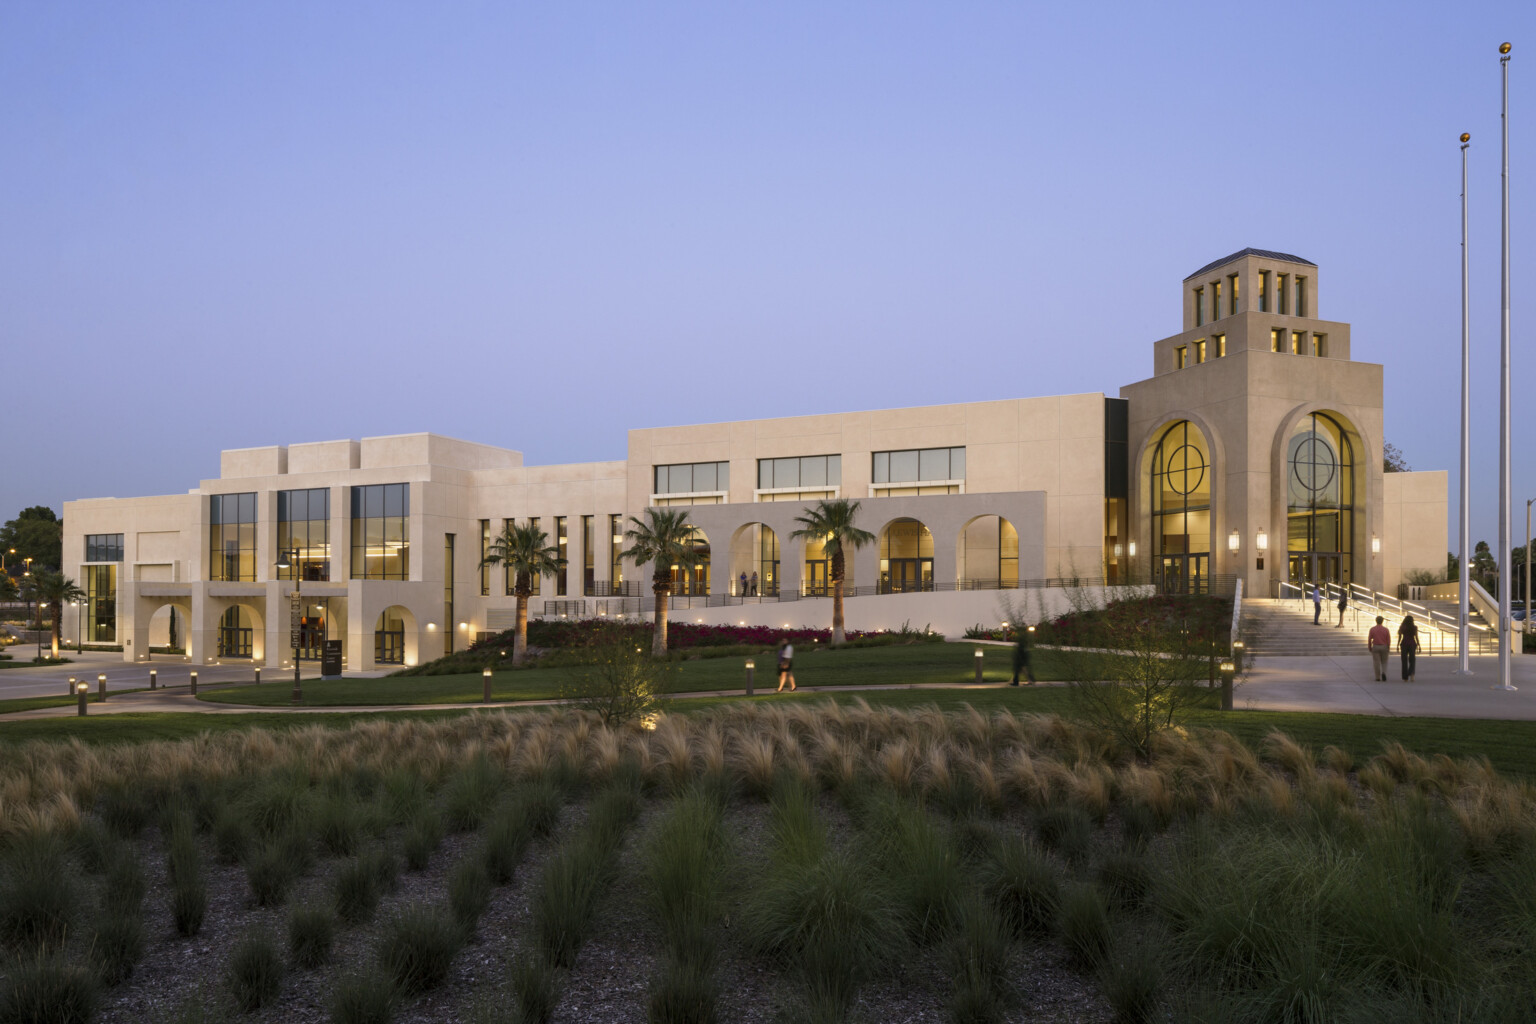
(236, 632)
(906, 557)
(1320, 500)
(389, 636)
(755, 555)
(694, 581)
(987, 554)
(168, 629)
(1180, 478)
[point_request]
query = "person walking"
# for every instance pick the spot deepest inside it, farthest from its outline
(1021, 656)
(741, 587)
(1408, 646)
(1379, 642)
(786, 665)
(1317, 605)
(753, 585)
(1343, 605)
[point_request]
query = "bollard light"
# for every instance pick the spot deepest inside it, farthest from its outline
(193, 682)
(751, 668)
(101, 687)
(979, 658)
(258, 676)
(1227, 671)
(152, 681)
(485, 677)
(80, 691)
(71, 685)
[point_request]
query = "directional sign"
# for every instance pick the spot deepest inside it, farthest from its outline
(293, 639)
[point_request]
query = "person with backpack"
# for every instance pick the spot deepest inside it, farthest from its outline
(1408, 646)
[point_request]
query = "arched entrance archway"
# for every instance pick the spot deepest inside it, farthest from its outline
(987, 554)
(394, 636)
(906, 557)
(1180, 477)
(695, 581)
(1320, 500)
(755, 555)
(168, 629)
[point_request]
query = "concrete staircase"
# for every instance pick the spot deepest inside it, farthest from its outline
(1283, 629)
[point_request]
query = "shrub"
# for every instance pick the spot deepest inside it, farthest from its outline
(507, 836)
(682, 873)
(621, 683)
(574, 876)
(684, 993)
(361, 883)
(117, 946)
(422, 839)
(255, 974)
(123, 888)
(921, 863)
(1067, 829)
(470, 794)
(1085, 925)
(189, 905)
(469, 892)
(38, 899)
(416, 948)
(366, 998)
(338, 823)
(278, 803)
(311, 931)
(231, 839)
(271, 872)
(1021, 882)
(125, 807)
(47, 989)
(95, 846)
(535, 985)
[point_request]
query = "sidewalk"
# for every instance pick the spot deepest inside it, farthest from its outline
(1344, 685)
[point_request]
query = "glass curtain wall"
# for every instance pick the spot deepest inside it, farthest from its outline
(561, 545)
(615, 545)
(906, 557)
(588, 558)
(450, 624)
(925, 470)
(1320, 499)
(389, 638)
(485, 549)
(304, 525)
(104, 547)
(767, 563)
(235, 631)
(100, 604)
(1181, 507)
(232, 537)
(381, 521)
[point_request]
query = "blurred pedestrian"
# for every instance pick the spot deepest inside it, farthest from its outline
(1379, 641)
(1408, 646)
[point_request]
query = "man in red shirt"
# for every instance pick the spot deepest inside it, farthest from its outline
(1379, 640)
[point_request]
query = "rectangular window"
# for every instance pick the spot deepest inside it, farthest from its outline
(615, 545)
(485, 549)
(100, 604)
(1180, 357)
(919, 464)
(1215, 300)
(800, 471)
(1301, 296)
(1282, 292)
(1299, 343)
(1264, 293)
(692, 477)
(536, 583)
(508, 581)
(304, 533)
(1276, 340)
(588, 558)
(1200, 351)
(1320, 344)
(1199, 306)
(381, 532)
(1232, 304)
(1219, 342)
(103, 547)
(232, 537)
(560, 546)
(450, 625)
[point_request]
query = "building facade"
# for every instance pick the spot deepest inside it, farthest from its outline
(1253, 452)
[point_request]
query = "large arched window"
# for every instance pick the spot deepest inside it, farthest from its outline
(1181, 506)
(1320, 500)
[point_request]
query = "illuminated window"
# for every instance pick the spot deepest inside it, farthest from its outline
(1276, 340)
(1200, 351)
(103, 547)
(918, 465)
(1264, 293)
(232, 537)
(304, 526)
(560, 546)
(485, 549)
(692, 477)
(808, 471)
(1215, 300)
(588, 558)
(381, 535)
(1299, 343)
(1320, 344)
(1219, 341)
(448, 621)
(1282, 290)
(1301, 296)
(1180, 357)
(616, 567)
(1232, 304)
(101, 603)
(1199, 306)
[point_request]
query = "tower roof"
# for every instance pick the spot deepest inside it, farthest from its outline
(1266, 253)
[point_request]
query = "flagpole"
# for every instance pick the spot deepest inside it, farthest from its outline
(1464, 534)
(1506, 634)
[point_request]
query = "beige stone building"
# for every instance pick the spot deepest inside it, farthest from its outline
(1253, 452)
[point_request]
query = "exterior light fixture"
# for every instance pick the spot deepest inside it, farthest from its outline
(463, 625)
(1375, 544)
(431, 627)
(1261, 541)
(1131, 549)
(1233, 540)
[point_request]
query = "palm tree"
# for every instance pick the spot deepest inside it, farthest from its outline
(526, 554)
(665, 539)
(831, 522)
(52, 589)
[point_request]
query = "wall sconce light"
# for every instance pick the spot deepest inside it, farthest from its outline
(463, 625)
(431, 627)
(1375, 544)
(1261, 541)
(1233, 540)
(1118, 549)
(1131, 548)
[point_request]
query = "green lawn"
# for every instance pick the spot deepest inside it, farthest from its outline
(924, 663)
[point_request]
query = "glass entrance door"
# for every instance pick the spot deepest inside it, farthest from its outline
(816, 577)
(1317, 567)
(910, 574)
(1184, 574)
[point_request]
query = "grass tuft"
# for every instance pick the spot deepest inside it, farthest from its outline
(1085, 926)
(255, 974)
(416, 947)
(469, 892)
(311, 932)
(1022, 883)
(363, 998)
(39, 901)
(47, 990)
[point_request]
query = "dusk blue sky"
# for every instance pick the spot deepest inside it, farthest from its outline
(537, 225)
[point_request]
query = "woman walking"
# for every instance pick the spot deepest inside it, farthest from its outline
(1408, 646)
(786, 665)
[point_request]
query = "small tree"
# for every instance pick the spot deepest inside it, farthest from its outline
(620, 683)
(52, 589)
(831, 522)
(526, 554)
(1141, 670)
(664, 539)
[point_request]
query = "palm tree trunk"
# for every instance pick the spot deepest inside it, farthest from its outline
(659, 638)
(520, 640)
(58, 611)
(838, 568)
